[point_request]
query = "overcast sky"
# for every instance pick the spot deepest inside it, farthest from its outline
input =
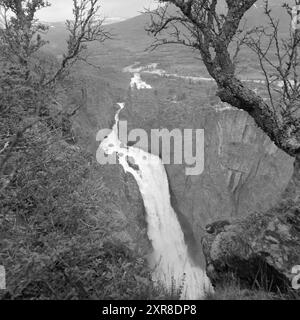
(62, 9)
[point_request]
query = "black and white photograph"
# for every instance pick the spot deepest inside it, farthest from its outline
(149, 151)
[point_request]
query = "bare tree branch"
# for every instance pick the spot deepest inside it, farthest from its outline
(86, 27)
(199, 25)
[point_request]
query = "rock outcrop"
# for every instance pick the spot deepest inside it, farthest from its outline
(260, 250)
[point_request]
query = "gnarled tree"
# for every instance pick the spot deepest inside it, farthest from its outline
(199, 25)
(212, 28)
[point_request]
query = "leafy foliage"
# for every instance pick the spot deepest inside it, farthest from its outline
(20, 33)
(54, 243)
(57, 213)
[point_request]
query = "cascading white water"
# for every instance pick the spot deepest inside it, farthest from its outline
(170, 258)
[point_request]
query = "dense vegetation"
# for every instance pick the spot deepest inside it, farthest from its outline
(55, 228)
(57, 225)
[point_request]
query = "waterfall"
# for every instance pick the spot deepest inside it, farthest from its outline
(170, 259)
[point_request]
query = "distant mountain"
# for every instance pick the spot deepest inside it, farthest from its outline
(132, 31)
(61, 24)
(56, 36)
(112, 20)
(57, 33)
(130, 41)
(256, 17)
(131, 35)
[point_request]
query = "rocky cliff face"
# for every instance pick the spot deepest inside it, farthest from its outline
(244, 171)
(127, 211)
(98, 101)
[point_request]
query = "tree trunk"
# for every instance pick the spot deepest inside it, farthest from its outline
(292, 192)
(284, 133)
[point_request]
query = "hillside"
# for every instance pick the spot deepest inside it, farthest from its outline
(131, 43)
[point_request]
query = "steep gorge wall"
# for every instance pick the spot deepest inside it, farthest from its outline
(244, 171)
(97, 100)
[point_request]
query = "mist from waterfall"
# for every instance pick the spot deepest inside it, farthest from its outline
(170, 259)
